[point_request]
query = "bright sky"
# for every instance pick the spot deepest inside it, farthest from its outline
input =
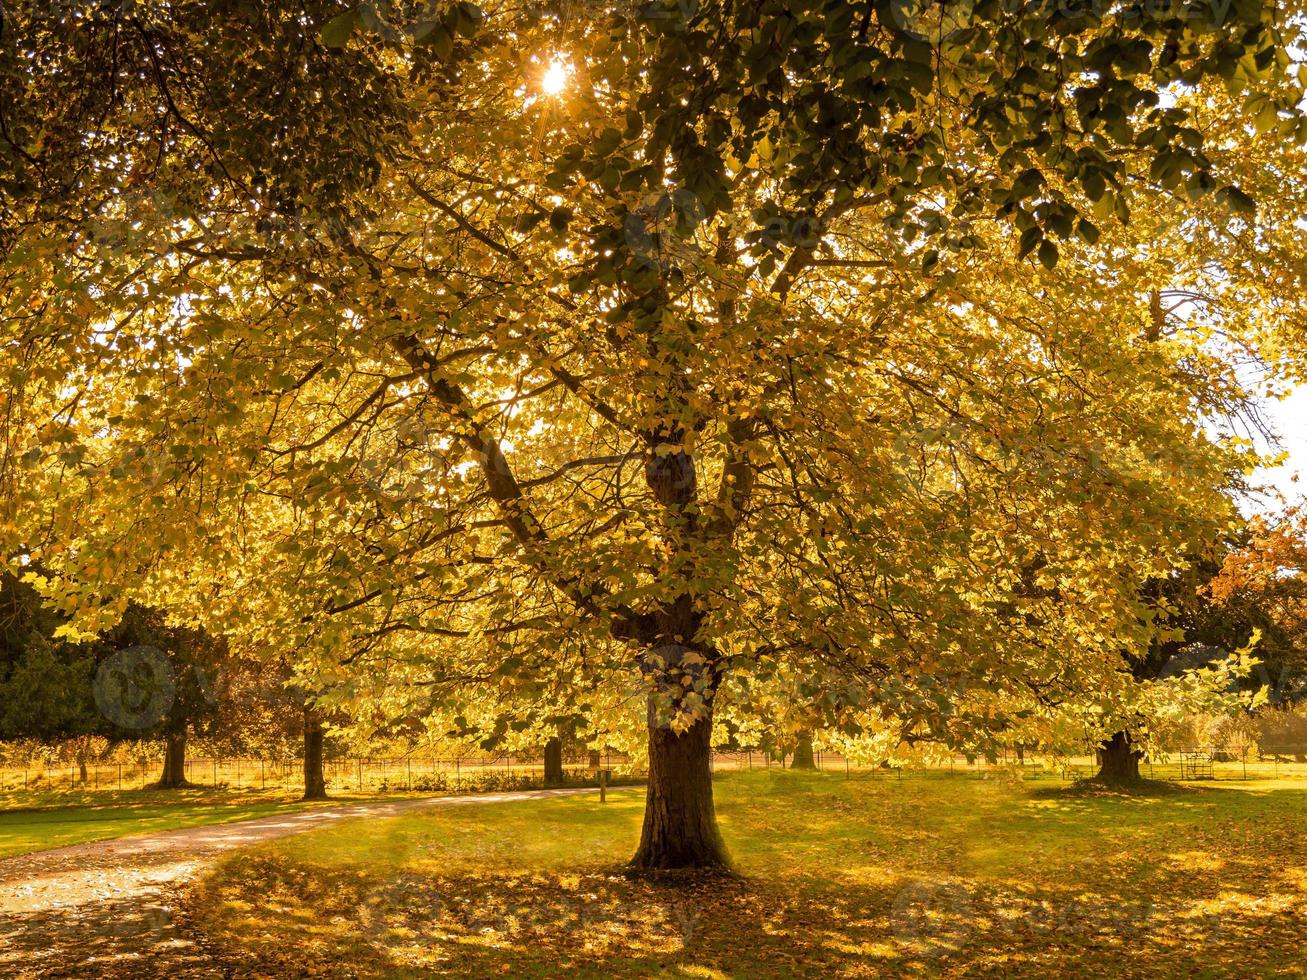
(1289, 419)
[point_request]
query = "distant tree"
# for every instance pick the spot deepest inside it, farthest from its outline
(45, 683)
(1262, 586)
(159, 680)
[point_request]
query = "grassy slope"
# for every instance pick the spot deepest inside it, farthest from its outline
(862, 877)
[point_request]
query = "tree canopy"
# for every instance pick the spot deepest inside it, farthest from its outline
(527, 362)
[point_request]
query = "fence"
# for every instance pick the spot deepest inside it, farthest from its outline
(362, 774)
(472, 773)
(1284, 762)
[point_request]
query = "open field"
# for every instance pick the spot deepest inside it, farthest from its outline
(840, 876)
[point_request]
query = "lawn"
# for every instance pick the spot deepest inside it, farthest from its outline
(59, 820)
(865, 876)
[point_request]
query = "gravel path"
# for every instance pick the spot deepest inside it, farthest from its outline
(105, 909)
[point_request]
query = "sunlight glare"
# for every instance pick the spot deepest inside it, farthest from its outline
(555, 78)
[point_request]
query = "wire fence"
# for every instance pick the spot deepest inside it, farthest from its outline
(359, 774)
(1188, 764)
(490, 773)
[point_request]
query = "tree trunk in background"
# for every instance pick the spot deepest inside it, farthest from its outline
(174, 762)
(803, 757)
(81, 767)
(680, 826)
(1118, 760)
(315, 781)
(554, 762)
(596, 759)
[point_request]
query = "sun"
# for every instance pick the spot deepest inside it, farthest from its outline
(555, 78)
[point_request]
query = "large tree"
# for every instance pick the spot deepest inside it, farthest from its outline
(643, 352)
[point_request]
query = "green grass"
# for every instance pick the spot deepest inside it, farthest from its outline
(56, 820)
(867, 876)
(25, 830)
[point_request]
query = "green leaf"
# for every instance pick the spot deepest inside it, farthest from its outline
(1236, 200)
(1093, 183)
(1029, 239)
(559, 218)
(467, 18)
(439, 40)
(335, 32)
(1048, 254)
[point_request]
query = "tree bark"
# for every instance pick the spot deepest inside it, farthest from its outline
(1118, 760)
(174, 762)
(554, 762)
(803, 757)
(315, 780)
(680, 825)
(596, 759)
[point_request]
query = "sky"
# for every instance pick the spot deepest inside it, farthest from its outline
(1289, 419)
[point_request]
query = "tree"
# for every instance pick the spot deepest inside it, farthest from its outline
(1260, 587)
(45, 684)
(721, 362)
(160, 682)
(803, 757)
(315, 780)
(554, 773)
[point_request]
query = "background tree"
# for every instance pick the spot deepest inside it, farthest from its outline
(45, 683)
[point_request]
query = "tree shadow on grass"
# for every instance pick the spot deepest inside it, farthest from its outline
(1232, 917)
(953, 879)
(1096, 788)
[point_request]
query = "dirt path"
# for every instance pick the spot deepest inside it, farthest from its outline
(105, 909)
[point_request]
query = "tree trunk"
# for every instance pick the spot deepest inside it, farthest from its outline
(803, 757)
(1118, 760)
(554, 762)
(81, 767)
(596, 759)
(174, 763)
(680, 826)
(315, 781)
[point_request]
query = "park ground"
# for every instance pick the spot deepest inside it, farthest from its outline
(864, 876)
(34, 822)
(858, 877)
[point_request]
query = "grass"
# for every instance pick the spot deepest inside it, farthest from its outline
(867, 876)
(41, 822)
(111, 814)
